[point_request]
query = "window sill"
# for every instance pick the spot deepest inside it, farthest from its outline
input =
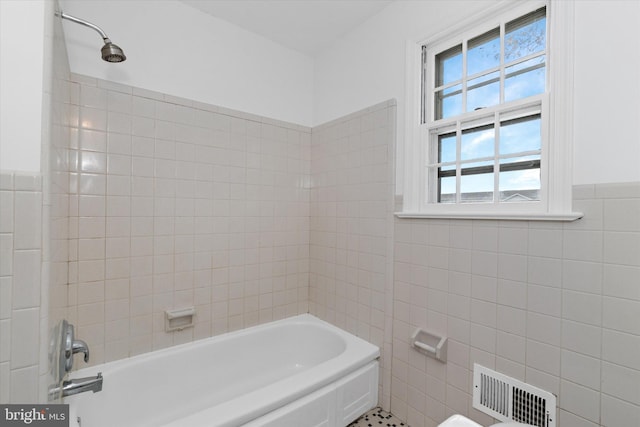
(568, 217)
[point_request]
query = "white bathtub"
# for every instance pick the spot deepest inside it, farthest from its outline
(295, 372)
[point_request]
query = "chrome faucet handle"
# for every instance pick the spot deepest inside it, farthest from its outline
(72, 346)
(79, 346)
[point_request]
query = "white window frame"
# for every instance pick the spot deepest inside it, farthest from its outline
(557, 123)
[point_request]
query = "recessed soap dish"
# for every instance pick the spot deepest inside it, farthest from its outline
(177, 320)
(431, 344)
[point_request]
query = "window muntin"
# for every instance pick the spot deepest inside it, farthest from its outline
(504, 64)
(500, 159)
(497, 161)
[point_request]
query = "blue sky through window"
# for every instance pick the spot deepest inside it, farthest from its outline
(483, 52)
(523, 37)
(520, 135)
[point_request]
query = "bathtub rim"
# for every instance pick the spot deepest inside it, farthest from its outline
(116, 365)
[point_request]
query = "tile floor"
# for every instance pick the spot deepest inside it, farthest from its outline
(378, 418)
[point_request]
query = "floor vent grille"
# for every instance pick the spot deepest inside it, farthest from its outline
(508, 399)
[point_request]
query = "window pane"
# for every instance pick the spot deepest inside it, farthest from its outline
(449, 66)
(525, 35)
(483, 52)
(482, 96)
(520, 135)
(511, 179)
(476, 183)
(448, 102)
(477, 143)
(447, 190)
(523, 85)
(520, 179)
(447, 148)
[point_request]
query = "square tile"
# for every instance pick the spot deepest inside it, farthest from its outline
(621, 348)
(621, 314)
(28, 220)
(622, 215)
(6, 212)
(580, 400)
(6, 254)
(582, 307)
(621, 281)
(621, 382)
(24, 341)
(581, 369)
(616, 412)
(622, 248)
(26, 279)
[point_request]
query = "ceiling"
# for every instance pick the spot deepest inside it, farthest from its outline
(308, 26)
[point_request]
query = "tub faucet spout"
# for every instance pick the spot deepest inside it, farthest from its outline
(75, 386)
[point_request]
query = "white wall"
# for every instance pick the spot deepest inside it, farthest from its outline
(175, 49)
(21, 78)
(607, 92)
(368, 66)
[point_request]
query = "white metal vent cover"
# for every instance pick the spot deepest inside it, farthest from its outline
(508, 399)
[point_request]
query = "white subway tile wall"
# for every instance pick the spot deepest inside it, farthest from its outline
(351, 227)
(555, 305)
(175, 204)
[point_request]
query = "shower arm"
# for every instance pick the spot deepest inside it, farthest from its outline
(109, 52)
(86, 24)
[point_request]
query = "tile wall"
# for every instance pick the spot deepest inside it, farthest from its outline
(176, 204)
(352, 225)
(556, 305)
(20, 285)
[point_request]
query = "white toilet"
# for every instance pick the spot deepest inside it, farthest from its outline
(462, 421)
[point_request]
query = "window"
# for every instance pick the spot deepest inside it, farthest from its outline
(483, 145)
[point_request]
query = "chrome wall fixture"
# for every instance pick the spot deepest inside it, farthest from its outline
(67, 347)
(110, 51)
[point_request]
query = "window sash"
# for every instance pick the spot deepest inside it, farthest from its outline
(433, 56)
(494, 118)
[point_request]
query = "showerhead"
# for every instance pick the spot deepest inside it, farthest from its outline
(110, 51)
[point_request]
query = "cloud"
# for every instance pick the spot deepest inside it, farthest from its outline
(477, 146)
(521, 180)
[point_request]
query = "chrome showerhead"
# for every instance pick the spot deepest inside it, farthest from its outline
(110, 51)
